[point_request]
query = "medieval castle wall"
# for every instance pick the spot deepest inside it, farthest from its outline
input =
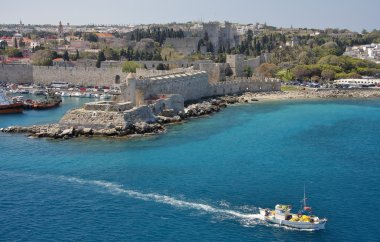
(187, 45)
(216, 71)
(16, 73)
(192, 86)
(89, 76)
(78, 76)
(238, 63)
(195, 85)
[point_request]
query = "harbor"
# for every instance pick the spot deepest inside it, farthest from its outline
(152, 173)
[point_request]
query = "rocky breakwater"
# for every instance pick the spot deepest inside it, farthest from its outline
(97, 119)
(213, 105)
(100, 119)
(55, 131)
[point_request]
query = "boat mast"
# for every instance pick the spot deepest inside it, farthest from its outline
(304, 196)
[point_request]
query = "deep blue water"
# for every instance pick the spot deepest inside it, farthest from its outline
(202, 180)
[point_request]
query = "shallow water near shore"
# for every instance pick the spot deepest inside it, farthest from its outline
(202, 180)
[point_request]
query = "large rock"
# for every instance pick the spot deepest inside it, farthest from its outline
(68, 132)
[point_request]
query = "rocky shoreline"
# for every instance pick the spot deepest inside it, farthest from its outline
(56, 131)
(205, 107)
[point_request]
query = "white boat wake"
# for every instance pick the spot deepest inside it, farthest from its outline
(246, 219)
(117, 189)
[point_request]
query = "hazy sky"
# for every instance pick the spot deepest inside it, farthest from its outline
(351, 14)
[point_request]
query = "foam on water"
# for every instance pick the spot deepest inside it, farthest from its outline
(244, 218)
(117, 189)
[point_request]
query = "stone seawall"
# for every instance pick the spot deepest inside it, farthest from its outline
(77, 75)
(89, 76)
(16, 73)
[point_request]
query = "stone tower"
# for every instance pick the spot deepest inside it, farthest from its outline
(213, 31)
(20, 27)
(128, 89)
(236, 63)
(60, 30)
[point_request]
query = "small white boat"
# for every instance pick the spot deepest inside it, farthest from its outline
(302, 220)
(76, 94)
(105, 96)
(66, 94)
(38, 92)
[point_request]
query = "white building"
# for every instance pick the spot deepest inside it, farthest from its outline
(358, 82)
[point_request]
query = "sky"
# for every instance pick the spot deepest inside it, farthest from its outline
(350, 14)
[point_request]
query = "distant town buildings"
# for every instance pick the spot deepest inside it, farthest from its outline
(367, 52)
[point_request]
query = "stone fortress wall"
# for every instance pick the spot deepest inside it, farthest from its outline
(187, 45)
(238, 63)
(82, 76)
(77, 76)
(105, 76)
(16, 73)
(193, 85)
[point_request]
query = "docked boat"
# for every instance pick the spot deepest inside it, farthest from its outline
(283, 216)
(7, 106)
(38, 92)
(105, 96)
(50, 101)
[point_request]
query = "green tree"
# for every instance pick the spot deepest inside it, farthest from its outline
(21, 43)
(13, 52)
(42, 58)
(77, 55)
(101, 56)
(285, 75)
(130, 66)
(228, 71)
(328, 75)
(3, 44)
(301, 72)
(315, 78)
(267, 70)
(91, 37)
(111, 54)
(98, 63)
(247, 71)
(65, 56)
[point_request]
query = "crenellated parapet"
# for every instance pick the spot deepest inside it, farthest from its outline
(193, 85)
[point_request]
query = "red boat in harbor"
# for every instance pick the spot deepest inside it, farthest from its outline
(50, 101)
(11, 108)
(7, 106)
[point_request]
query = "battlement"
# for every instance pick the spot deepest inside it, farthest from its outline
(170, 78)
(144, 73)
(108, 106)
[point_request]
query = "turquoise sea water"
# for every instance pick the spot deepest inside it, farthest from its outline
(202, 180)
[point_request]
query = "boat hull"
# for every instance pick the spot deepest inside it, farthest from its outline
(298, 225)
(11, 108)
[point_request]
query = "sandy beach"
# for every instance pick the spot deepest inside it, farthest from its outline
(310, 94)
